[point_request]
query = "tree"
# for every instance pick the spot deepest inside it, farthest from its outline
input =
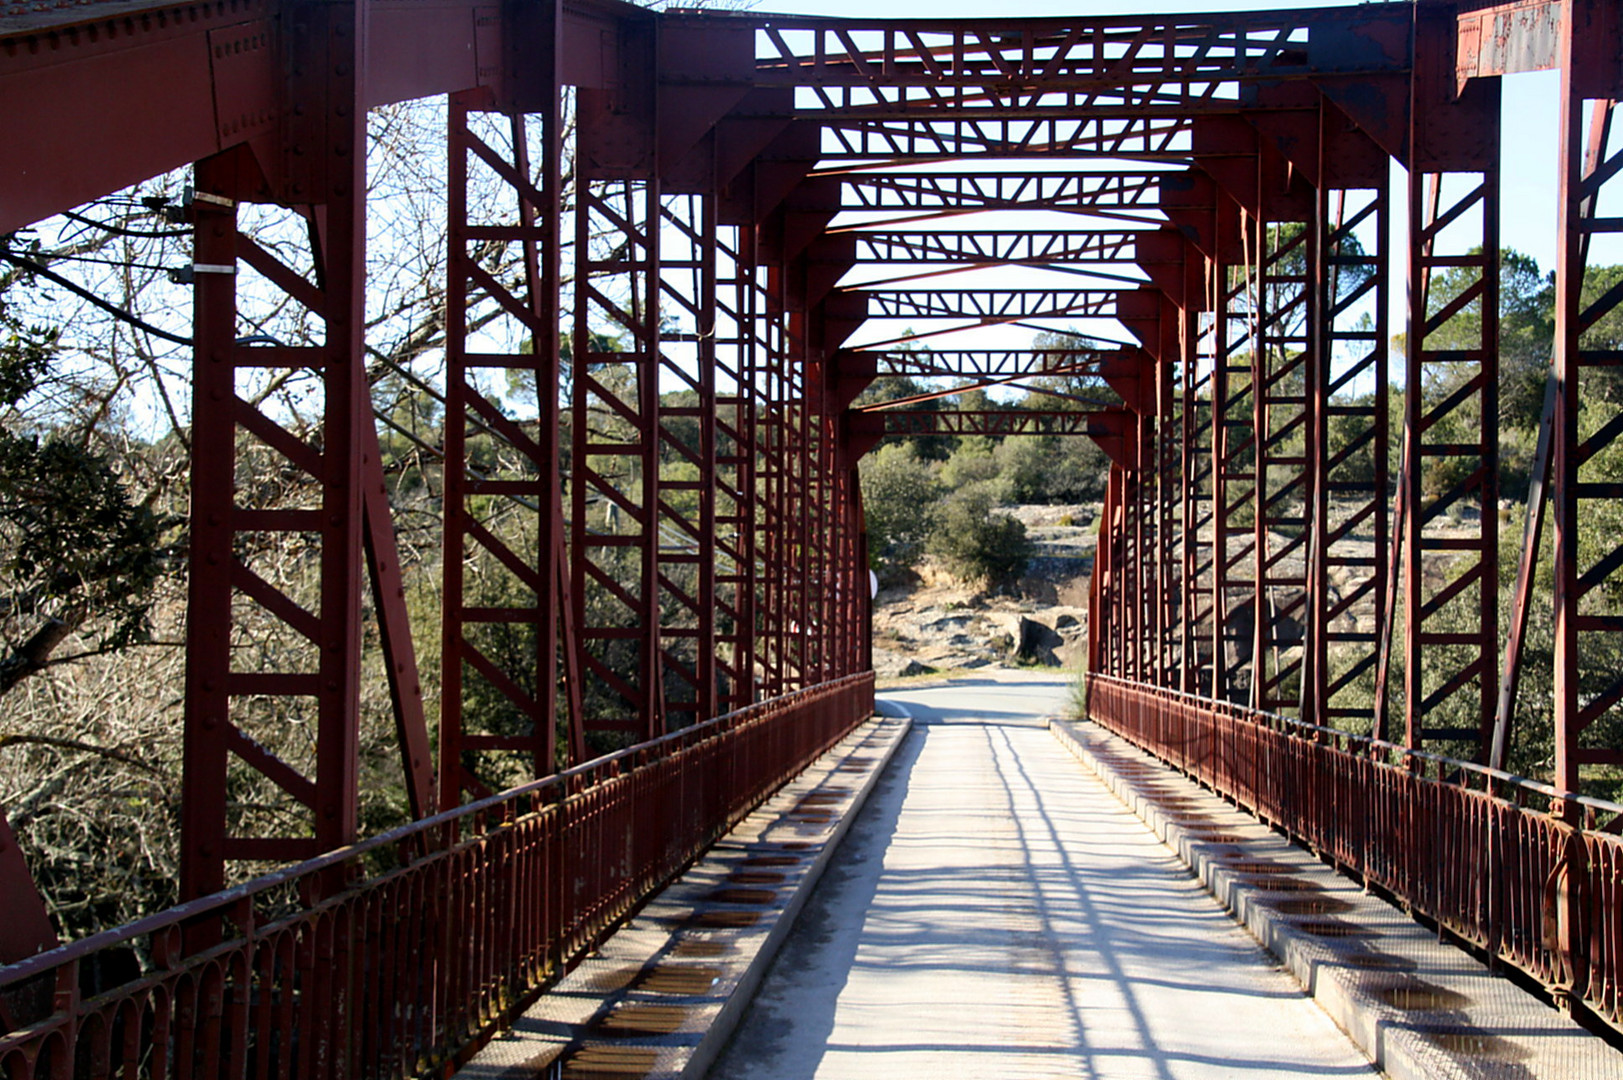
(1053, 469)
(77, 555)
(899, 494)
(976, 543)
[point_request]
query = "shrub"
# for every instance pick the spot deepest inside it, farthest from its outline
(898, 496)
(975, 543)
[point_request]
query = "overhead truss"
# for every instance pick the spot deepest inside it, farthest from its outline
(675, 530)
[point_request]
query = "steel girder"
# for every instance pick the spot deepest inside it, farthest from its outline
(317, 674)
(713, 539)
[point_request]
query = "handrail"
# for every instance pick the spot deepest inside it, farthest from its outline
(35, 965)
(409, 969)
(1501, 776)
(1535, 889)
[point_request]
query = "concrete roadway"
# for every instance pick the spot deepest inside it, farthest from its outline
(996, 912)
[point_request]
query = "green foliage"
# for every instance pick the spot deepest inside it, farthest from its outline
(898, 494)
(975, 543)
(1052, 469)
(73, 541)
(76, 554)
(25, 356)
(973, 463)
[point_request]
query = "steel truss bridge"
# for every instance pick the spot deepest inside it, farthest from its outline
(1234, 169)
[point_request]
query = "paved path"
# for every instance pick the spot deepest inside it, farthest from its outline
(996, 912)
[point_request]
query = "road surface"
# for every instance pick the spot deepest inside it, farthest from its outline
(996, 912)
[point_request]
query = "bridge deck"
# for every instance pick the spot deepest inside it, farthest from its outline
(997, 911)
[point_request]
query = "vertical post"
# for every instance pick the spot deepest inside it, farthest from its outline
(328, 135)
(736, 475)
(1233, 441)
(615, 466)
(208, 609)
(1451, 401)
(1193, 474)
(503, 516)
(1351, 431)
(686, 507)
(1284, 383)
(1588, 687)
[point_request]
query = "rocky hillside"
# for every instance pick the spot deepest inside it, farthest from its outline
(935, 623)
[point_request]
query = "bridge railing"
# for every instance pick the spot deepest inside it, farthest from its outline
(1526, 873)
(396, 957)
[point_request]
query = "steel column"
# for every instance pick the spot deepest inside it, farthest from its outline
(1283, 382)
(1234, 477)
(502, 605)
(1451, 403)
(614, 464)
(1350, 427)
(1588, 487)
(319, 682)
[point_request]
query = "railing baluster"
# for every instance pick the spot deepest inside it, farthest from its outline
(1459, 843)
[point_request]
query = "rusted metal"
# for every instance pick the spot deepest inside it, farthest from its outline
(1352, 483)
(27, 927)
(502, 517)
(1508, 38)
(713, 554)
(1451, 405)
(1390, 815)
(326, 689)
(1588, 688)
(333, 967)
(1285, 381)
(1234, 477)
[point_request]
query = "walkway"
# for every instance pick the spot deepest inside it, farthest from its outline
(997, 912)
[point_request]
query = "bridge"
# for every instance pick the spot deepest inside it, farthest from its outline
(1287, 604)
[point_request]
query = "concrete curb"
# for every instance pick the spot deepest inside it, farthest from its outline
(738, 1002)
(661, 997)
(1418, 1008)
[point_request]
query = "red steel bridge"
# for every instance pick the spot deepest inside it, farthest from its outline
(1240, 165)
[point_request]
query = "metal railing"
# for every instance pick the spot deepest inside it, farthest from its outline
(1479, 851)
(398, 956)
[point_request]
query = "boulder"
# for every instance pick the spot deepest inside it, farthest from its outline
(1037, 642)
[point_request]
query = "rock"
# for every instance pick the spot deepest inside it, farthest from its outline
(1037, 642)
(1066, 620)
(887, 664)
(913, 667)
(947, 622)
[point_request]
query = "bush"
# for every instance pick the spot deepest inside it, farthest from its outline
(1052, 469)
(975, 543)
(974, 462)
(899, 493)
